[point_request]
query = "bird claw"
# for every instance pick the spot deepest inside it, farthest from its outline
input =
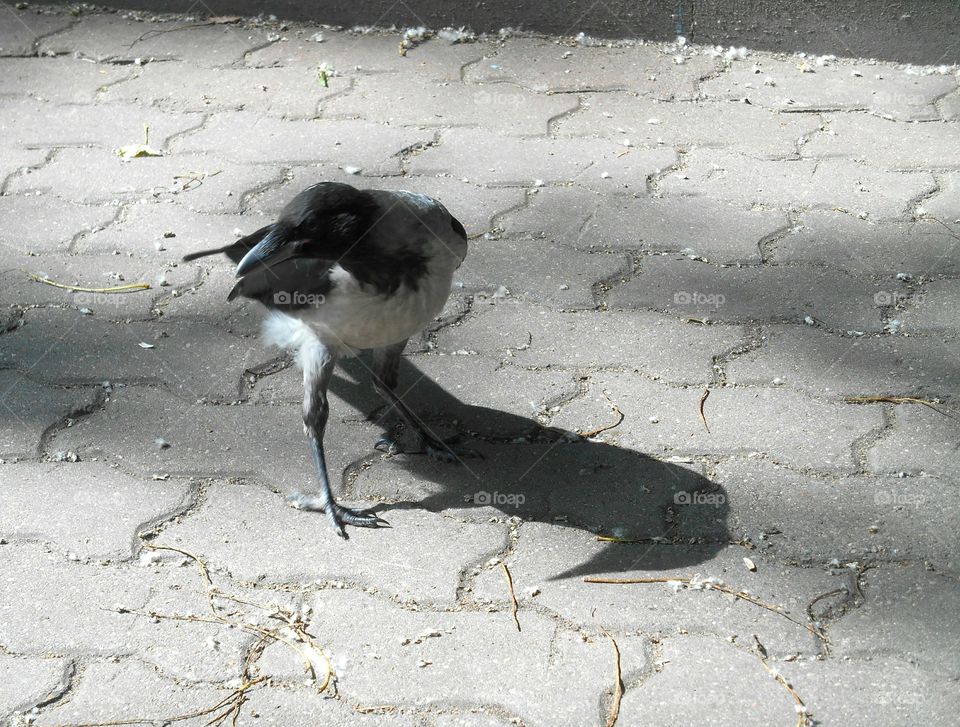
(387, 445)
(337, 514)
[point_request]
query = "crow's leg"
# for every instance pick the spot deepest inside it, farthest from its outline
(386, 370)
(318, 364)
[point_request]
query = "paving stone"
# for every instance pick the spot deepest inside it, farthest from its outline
(466, 153)
(537, 272)
(95, 517)
(922, 440)
(934, 309)
(301, 546)
(498, 108)
(707, 681)
(643, 121)
(30, 409)
(475, 206)
(128, 689)
(22, 28)
(542, 65)
(32, 123)
(781, 424)
(53, 605)
(295, 704)
(824, 364)
(357, 54)
(862, 246)
(844, 691)
(285, 92)
(677, 285)
(194, 181)
(799, 185)
(504, 668)
(118, 39)
(836, 86)
(934, 145)
(37, 224)
(207, 302)
(63, 80)
(371, 147)
(26, 681)
(16, 160)
(706, 227)
(141, 228)
(553, 560)
(545, 338)
(907, 612)
(193, 360)
(945, 203)
(265, 442)
(89, 271)
(950, 107)
(815, 520)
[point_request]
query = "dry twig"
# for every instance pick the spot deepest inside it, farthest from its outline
(128, 288)
(513, 595)
(605, 427)
(617, 686)
(703, 398)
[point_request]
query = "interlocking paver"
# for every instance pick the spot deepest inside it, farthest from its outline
(800, 184)
(945, 203)
(22, 28)
(36, 224)
(798, 84)
(921, 440)
(934, 309)
(775, 422)
(26, 681)
(642, 121)
(64, 80)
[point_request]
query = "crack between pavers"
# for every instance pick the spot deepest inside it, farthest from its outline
(628, 270)
(120, 214)
(205, 118)
(23, 171)
(70, 419)
(753, 340)
(861, 446)
(283, 177)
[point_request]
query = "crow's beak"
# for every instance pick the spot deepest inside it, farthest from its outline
(270, 250)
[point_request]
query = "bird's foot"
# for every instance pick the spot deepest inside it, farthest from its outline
(337, 514)
(439, 450)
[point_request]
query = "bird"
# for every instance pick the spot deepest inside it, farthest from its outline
(341, 271)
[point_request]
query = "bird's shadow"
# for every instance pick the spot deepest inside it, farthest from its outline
(676, 516)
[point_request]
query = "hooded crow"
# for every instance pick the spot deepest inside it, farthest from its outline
(344, 270)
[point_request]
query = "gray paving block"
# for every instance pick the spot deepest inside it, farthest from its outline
(38, 224)
(521, 162)
(922, 440)
(945, 204)
(474, 205)
(934, 145)
(357, 54)
(207, 302)
(85, 508)
(800, 185)
(543, 65)
(642, 121)
(709, 228)
(500, 108)
(844, 691)
(536, 336)
(33, 123)
(907, 613)
(684, 287)
(809, 519)
(64, 80)
(778, 423)
(193, 360)
(26, 681)
(30, 409)
(950, 106)
(917, 248)
(17, 160)
(934, 309)
(537, 272)
(371, 147)
(128, 689)
(548, 559)
(824, 364)
(297, 703)
(22, 28)
(93, 272)
(840, 85)
(265, 442)
(503, 668)
(194, 181)
(255, 536)
(119, 38)
(285, 92)
(705, 680)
